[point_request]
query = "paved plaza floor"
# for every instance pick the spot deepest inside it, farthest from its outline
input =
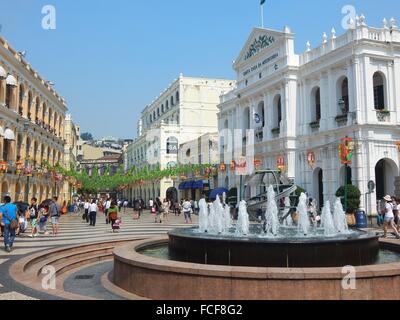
(74, 231)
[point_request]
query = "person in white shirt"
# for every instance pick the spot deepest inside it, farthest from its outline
(151, 203)
(106, 208)
(86, 206)
(389, 217)
(93, 213)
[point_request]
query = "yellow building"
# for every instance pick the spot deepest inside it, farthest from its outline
(32, 119)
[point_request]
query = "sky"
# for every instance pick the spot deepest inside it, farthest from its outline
(111, 58)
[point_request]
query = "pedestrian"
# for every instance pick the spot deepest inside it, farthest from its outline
(86, 206)
(165, 209)
(113, 217)
(125, 205)
(119, 205)
(187, 211)
(389, 217)
(33, 217)
(158, 209)
(151, 204)
(93, 213)
(196, 207)
(43, 218)
(55, 213)
(107, 207)
(9, 220)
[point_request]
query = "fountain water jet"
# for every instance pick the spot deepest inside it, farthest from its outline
(304, 219)
(339, 217)
(203, 216)
(271, 215)
(327, 221)
(243, 223)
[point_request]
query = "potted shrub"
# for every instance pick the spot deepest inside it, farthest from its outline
(352, 201)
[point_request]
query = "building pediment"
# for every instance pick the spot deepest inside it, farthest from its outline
(259, 41)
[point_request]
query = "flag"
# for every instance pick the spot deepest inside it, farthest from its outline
(262, 2)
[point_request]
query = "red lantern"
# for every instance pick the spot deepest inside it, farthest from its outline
(19, 166)
(257, 163)
(3, 167)
(311, 159)
(280, 163)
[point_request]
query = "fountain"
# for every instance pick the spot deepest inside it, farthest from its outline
(243, 223)
(237, 257)
(271, 215)
(304, 219)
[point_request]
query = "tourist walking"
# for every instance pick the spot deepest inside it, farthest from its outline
(93, 213)
(33, 217)
(43, 217)
(107, 207)
(158, 209)
(389, 217)
(55, 213)
(187, 211)
(151, 204)
(165, 209)
(113, 217)
(86, 206)
(9, 221)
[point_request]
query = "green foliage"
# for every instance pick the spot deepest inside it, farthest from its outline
(107, 183)
(87, 136)
(353, 197)
(299, 191)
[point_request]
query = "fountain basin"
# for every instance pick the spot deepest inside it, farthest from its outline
(356, 248)
(162, 279)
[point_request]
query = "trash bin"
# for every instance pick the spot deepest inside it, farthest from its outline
(361, 219)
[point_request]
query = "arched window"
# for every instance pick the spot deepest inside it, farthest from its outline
(177, 97)
(151, 118)
(37, 108)
(21, 99)
(343, 88)
(158, 112)
(379, 91)
(278, 111)
(30, 105)
(154, 115)
(166, 104)
(162, 108)
(260, 120)
(172, 101)
(316, 104)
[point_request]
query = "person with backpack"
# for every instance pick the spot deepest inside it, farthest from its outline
(33, 217)
(9, 220)
(55, 213)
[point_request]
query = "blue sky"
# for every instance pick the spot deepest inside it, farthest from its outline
(109, 59)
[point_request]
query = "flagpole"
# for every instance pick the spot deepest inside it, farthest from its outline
(262, 16)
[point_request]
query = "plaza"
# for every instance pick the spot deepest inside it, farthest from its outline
(278, 179)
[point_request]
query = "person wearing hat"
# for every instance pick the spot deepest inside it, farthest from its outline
(389, 217)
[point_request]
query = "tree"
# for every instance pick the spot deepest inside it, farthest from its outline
(86, 136)
(353, 197)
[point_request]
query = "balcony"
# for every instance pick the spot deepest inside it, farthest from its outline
(315, 125)
(276, 132)
(341, 120)
(383, 115)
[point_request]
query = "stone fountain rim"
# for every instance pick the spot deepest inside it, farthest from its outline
(129, 254)
(362, 236)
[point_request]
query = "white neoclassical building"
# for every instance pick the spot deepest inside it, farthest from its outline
(302, 105)
(184, 111)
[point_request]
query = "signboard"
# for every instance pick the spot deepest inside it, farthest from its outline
(172, 145)
(261, 64)
(371, 186)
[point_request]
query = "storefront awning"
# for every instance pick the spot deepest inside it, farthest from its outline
(9, 134)
(3, 73)
(198, 184)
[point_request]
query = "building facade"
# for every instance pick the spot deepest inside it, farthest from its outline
(299, 107)
(186, 110)
(32, 119)
(72, 137)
